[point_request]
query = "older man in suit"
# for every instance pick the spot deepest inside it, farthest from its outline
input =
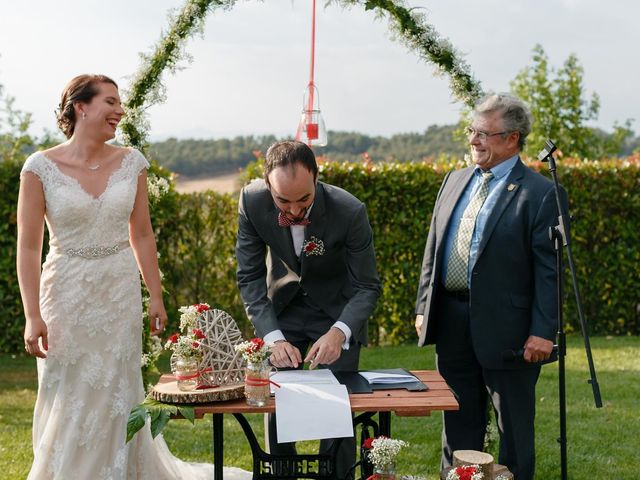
(306, 270)
(488, 286)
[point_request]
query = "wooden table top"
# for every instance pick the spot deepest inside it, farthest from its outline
(403, 402)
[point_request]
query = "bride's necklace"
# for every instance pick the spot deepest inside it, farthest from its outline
(93, 168)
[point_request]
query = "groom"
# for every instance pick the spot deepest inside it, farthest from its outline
(306, 271)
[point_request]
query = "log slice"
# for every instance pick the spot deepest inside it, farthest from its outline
(169, 393)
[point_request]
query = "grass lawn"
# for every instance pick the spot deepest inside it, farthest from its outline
(602, 443)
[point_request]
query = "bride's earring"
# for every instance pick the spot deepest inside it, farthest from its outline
(84, 115)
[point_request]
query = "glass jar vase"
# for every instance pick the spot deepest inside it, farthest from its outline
(256, 383)
(385, 472)
(185, 369)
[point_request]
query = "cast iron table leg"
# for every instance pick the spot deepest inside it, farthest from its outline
(218, 438)
(385, 423)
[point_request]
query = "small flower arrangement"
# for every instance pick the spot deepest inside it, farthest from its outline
(186, 345)
(190, 314)
(254, 350)
(465, 472)
(383, 450)
(313, 246)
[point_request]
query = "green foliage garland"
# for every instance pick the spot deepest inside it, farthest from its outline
(411, 27)
(146, 88)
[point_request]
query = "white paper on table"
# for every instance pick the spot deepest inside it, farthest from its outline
(312, 412)
(387, 378)
(303, 377)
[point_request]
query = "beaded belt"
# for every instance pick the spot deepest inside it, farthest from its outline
(96, 251)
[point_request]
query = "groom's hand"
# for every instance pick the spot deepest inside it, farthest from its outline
(285, 355)
(326, 349)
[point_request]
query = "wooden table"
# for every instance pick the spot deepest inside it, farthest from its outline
(382, 402)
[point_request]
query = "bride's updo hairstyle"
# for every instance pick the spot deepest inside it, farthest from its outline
(80, 89)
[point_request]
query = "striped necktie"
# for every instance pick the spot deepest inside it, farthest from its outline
(458, 262)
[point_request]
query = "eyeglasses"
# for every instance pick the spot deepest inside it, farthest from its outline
(482, 136)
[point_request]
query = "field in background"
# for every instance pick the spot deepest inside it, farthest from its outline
(227, 183)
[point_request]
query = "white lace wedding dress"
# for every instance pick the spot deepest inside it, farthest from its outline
(91, 377)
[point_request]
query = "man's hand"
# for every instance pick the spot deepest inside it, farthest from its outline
(537, 349)
(285, 355)
(418, 324)
(326, 349)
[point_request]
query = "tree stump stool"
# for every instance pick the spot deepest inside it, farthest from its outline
(484, 460)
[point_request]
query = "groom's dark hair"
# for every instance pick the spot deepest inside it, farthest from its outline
(286, 154)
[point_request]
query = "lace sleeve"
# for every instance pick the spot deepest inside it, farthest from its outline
(34, 165)
(139, 161)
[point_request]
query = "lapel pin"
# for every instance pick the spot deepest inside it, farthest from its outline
(511, 187)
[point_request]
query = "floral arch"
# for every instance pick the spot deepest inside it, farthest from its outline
(408, 25)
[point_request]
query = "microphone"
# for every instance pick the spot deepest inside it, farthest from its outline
(547, 151)
(518, 355)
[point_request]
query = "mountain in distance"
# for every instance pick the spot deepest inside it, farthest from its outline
(205, 158)
(193, 159)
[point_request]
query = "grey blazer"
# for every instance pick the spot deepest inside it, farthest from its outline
(343, 281)
(513, 282)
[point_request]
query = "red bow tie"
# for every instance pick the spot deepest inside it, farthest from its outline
(285, 221)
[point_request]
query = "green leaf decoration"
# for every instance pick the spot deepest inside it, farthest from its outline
(160, 414)
(188, 412)
(159, 422)
(136, 421)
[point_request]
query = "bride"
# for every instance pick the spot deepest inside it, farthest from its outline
(83, 309)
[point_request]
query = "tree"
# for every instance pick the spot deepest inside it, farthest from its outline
(560, 111)
(14, 126)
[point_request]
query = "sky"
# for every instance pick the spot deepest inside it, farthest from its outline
(251, 64)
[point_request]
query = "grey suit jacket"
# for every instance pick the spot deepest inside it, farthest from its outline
(513, 282)
(343, 281)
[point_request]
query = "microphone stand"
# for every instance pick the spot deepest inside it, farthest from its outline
(559, 235)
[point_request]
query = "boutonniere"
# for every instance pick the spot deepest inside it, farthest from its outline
(313, 246)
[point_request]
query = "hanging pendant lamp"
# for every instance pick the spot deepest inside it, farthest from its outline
(311, 128)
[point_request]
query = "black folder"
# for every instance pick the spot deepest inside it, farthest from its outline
(356, 383)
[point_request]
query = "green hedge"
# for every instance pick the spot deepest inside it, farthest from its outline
(605, 207)
(604, 204)
(11, 317)
(196, 237)
(399, 198)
